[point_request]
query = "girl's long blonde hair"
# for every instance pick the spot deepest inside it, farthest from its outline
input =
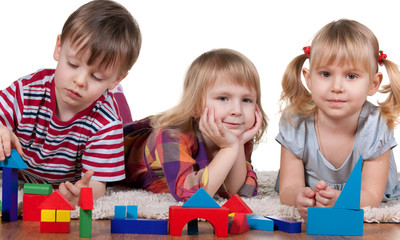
(203, 73)
(349, 42)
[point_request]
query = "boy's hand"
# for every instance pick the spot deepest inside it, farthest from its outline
(325, 196)
(251, 132)
(8, 140)
(72, 191)
(215, 131)
(305, 199)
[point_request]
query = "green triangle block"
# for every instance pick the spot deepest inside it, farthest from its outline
(13, 161)
(349, 198)
(201, 199)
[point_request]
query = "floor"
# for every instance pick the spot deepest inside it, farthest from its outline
(101, 230)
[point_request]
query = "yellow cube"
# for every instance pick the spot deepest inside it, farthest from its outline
(48, 215)
(63, 216)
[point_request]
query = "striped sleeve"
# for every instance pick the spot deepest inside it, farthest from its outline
(104, 153)
(11, 105)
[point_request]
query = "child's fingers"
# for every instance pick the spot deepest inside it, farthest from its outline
(309, 193)
(321, 185)
(17, 145)
(74, 190)
(85, 180)
(64, 190)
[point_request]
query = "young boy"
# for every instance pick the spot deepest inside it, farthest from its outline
(65, 122)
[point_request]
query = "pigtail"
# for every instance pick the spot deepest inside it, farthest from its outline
(390, 108)
(296, 98)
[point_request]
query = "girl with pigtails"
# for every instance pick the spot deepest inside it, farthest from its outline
(325, 129)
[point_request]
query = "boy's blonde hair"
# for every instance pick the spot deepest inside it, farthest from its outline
(107, 32)
(202, 74)
(349, 42)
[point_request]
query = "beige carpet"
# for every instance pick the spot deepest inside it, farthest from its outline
(155, 206)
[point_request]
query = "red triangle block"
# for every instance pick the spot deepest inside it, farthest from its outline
(239, 224)
(86, 199)
(56, 201)
(237, 205)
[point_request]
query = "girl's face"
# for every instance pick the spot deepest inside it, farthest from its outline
(234, 105)
(340, 90)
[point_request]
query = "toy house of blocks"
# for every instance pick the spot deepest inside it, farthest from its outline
(55, 213)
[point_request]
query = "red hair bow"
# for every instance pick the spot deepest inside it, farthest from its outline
(381, 57)
(307, 51)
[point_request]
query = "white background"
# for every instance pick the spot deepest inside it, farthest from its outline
(270, 33)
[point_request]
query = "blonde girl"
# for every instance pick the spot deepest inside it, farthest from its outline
(207, 139)
(324, 129)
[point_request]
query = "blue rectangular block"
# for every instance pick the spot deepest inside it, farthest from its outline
(131, 212)
(119, 212)
(139, 226)
(10, 194)
(258, 222)
(335, 221)
(285, 225)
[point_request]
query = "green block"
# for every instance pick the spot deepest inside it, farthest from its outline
(38, 189)
(85, 223)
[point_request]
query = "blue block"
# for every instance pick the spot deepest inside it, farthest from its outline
(10, 194)
(349, 197)
(335, 221)
(13, 161)
(201, 199)
(119, 212)
(258, 222)
(131, 212)
(193, 227)
(285, 225)
(139, 226)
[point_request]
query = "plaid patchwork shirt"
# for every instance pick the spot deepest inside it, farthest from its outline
(175, 162)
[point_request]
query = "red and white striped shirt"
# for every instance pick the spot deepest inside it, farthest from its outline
(57, 151)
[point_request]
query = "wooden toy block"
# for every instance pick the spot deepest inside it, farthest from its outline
(119, 212)
(258, 222)
(193, 227)
(30, 203)
(201, 199)
(85, 223)
(38, 189)
(131, 212)
(13, 161)
(86, 199)
(349, 197)
(239, 224)
(236, 204)
(55, 227)
(57, 201)
(179, 216)
(10, 194)
(335, 221)
(285, 225)
(139, 226)
(48, 215)
(63, 216)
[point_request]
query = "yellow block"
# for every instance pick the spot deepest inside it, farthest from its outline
(63, 216)
(48, 215)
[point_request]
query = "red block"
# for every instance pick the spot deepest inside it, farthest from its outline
(237, 205)
(180, 216)
(57, 201)
(86, 199)
(30, 203)
(239, 224)
(55, 227)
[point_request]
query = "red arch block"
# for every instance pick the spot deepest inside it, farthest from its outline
(180, 216)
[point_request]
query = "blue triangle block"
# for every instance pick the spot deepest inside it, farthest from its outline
(349, 198)
(201, 199)
(13, 161)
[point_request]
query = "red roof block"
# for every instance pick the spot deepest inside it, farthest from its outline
(56, 201)
(237, 205)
